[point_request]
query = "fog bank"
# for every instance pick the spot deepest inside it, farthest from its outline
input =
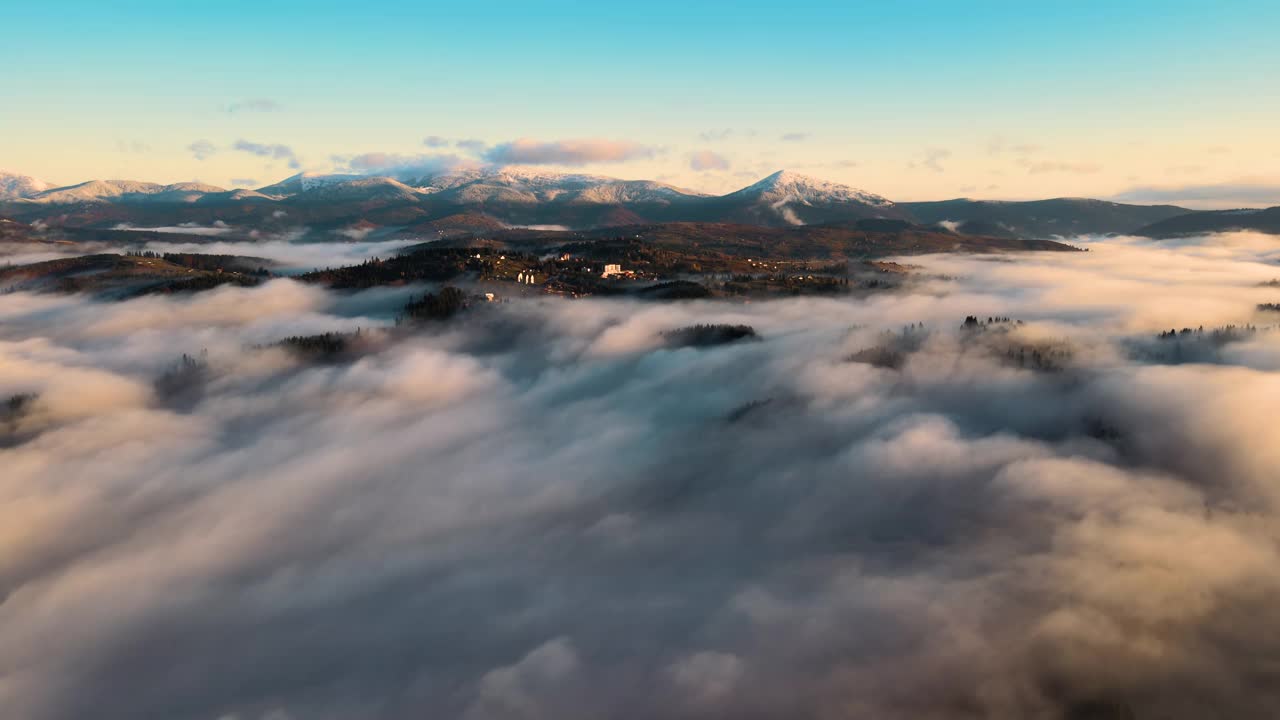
(542, 510)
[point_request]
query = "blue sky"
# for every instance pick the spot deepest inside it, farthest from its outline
(910, 99)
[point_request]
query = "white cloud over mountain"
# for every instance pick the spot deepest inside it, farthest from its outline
(526, 151)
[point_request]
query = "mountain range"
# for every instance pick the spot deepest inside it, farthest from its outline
(483, 200)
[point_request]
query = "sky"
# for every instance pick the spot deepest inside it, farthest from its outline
(1168, 101)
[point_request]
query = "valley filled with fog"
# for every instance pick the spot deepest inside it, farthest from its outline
(1002, 489)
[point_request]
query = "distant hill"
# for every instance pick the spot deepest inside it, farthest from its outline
(1213, 221)
(1059, 217)
(13, 231)
(456, 225)
(804, 242)
(121, 276)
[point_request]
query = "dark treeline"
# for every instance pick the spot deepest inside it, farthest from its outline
(894, 347)
(708, 335)
(573, 268)
(425, 265)
(973, 322)
(14, 408)
(210, 263)
(183, 382)
(746, 409)
(787, 284)
(881, 356)
(1217, 336)
(1042, 357)
(194, 284)
(436, 306)
(674, 290)
(324, 346)
(655, 260)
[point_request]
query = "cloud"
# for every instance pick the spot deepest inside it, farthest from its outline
(273, 151)
(795, 136)
(706, 677)
(401, 165)
(453, 522)
(999, 146)
(567, 152)
(468, 145)
(836, 164)
(933, 158)
(531, 687)
(286, 251)
(136, 147)
(1206, 196)
(244, 182)
(715, 135)
(1049, 166)
(703, 160)
(254, 105)
(202, 149)
(188, 228)
(471, 145)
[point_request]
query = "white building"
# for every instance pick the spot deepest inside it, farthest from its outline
(611, 270)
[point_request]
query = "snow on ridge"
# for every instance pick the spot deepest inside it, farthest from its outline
(15, 185)
(786, 186)
(109, 190)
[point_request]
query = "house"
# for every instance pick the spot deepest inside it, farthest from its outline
(611, 270)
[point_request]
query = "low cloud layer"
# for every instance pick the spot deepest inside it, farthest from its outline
(1040, 167)
(526, 151)
(543, 511)
(275, 151)
(202, 149)
(704, 160)
(933, 159)
(261, 105)
(1207, 197)
(401, 165)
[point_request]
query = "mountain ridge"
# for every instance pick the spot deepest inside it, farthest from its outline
(522, 196)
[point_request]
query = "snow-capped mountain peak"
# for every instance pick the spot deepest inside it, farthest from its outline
(305, 181)
(518, 183)
(369, 187)
(13, 185)
(787, 186)
(96, 191)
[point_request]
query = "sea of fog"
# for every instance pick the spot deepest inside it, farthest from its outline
(542, 510)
